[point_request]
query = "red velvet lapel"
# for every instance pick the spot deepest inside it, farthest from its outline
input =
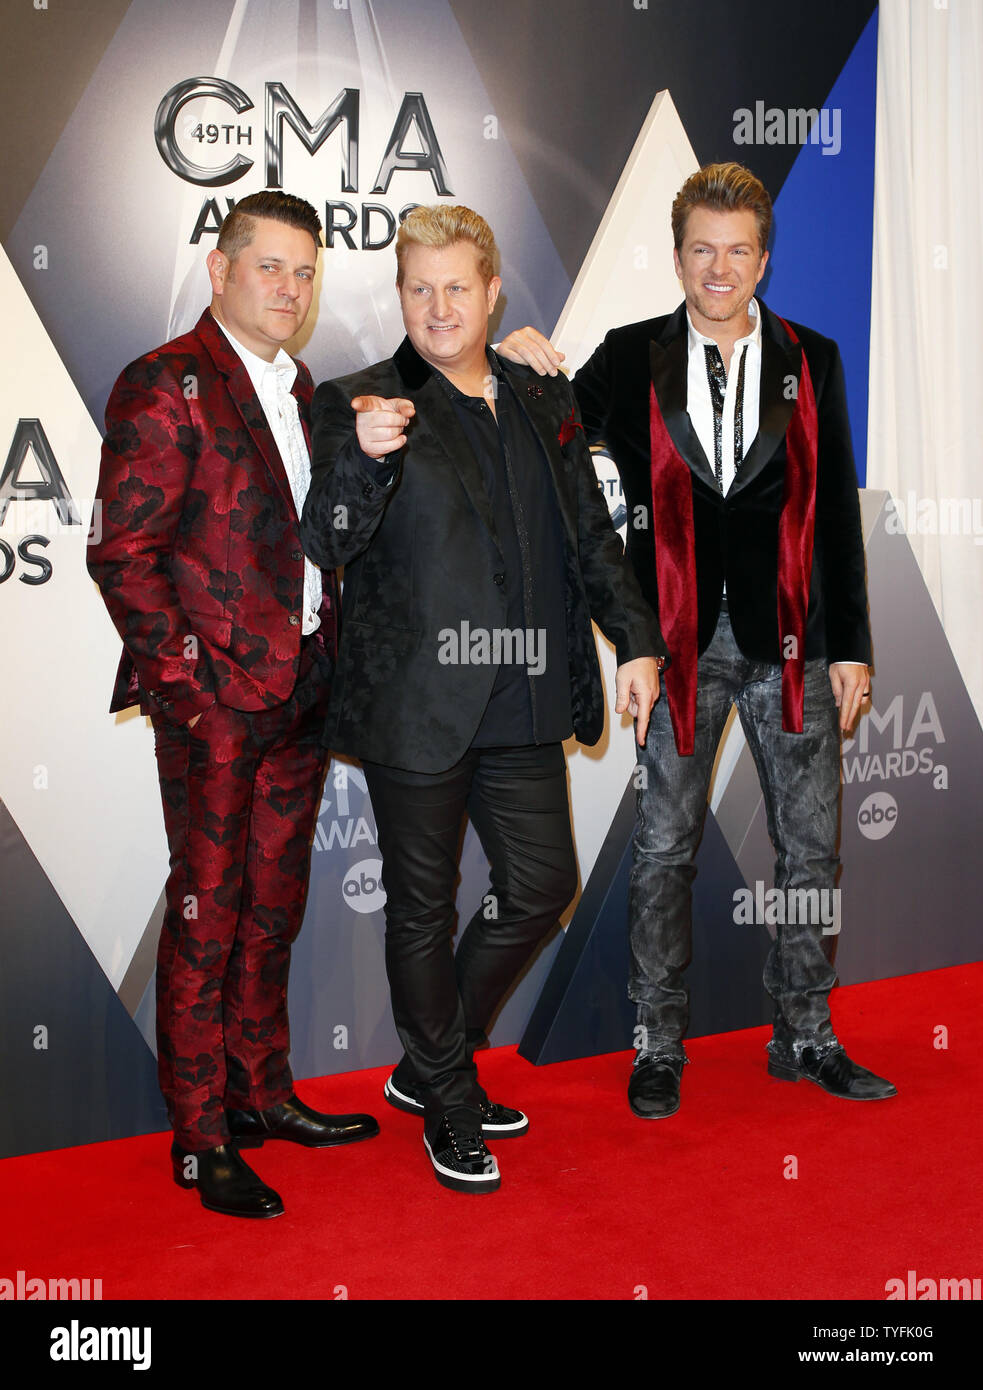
(675, 559)
(675, 563)
(796, 529)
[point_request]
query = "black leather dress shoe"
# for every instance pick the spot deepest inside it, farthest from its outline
(297, 1122)
(834, 1072)
(653, 1091)
(225, 1182)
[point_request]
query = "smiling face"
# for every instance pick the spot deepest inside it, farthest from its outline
(263, 296)
(446, 305)
(720, 264)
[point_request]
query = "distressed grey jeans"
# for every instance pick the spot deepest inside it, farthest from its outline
(800, 781)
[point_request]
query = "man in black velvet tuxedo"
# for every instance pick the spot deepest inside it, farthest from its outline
(460, 495)
(729, 429)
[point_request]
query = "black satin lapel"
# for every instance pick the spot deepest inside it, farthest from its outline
(254, 418)
(669, 364)
(781, 366)
(436, 427)
(412, 369)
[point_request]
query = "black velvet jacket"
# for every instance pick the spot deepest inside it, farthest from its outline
(421, 556)
(736, 536)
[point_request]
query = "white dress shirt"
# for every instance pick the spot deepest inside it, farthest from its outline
(699, 405)
(272, 382)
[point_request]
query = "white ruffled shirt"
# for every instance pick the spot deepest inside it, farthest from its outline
(272, 382)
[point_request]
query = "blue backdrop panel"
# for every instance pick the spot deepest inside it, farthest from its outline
(820, 272)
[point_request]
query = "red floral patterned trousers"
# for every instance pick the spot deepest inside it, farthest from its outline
(241, 792)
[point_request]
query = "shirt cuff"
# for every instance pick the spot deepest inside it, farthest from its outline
(383, 470)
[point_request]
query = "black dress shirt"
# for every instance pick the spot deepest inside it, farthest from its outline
(523, 707)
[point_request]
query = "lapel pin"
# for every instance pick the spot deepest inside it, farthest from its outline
(534, 391)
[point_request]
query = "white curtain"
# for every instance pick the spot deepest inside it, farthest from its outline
(926, 357)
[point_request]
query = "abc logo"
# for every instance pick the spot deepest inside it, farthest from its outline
(362, 886)
(878, 815)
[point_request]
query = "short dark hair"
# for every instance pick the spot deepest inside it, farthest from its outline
(722, 188)
(239, 227)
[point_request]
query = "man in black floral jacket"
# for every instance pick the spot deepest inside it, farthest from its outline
(460, 495)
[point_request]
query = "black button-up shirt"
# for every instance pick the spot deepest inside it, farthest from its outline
(530, 700)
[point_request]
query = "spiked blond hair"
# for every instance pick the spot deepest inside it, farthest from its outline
(443, 225)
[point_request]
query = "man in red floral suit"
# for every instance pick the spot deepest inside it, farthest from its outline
(229, 642)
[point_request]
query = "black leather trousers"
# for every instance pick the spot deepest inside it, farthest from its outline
(518, 803)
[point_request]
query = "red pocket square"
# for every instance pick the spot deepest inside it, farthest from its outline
(569, 428)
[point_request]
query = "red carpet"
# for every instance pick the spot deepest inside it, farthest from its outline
(594, 1203)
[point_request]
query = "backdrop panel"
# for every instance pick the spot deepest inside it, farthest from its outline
(570, 125)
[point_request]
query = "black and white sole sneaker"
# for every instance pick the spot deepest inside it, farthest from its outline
(402, 1100)
(497, 1121)
(461, 1161)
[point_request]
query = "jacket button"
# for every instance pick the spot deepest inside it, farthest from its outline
(368, 490)
(294, 620)
(297, 555)
(499, 579)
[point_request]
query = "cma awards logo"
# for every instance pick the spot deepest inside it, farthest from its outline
(891, 744)
(185, 143)
(32, 498)
(338, 827)
(894, 742)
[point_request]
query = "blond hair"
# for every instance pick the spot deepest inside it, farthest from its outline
(442, 225)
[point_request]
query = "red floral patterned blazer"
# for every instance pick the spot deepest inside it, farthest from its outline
(196, 544)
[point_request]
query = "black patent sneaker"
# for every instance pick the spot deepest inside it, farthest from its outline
(497, 1121)
(834, 1071)
(461, 1161)
(501, 1122)
(403, 1096)
(653, 1091)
